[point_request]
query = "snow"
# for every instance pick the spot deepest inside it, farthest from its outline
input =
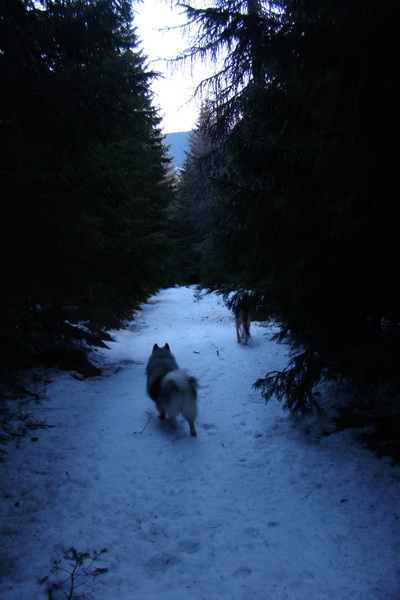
(260, 505)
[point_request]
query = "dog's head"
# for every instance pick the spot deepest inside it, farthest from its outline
(163, 352)
(165, 347)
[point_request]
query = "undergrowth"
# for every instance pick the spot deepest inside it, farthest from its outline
(74, 576)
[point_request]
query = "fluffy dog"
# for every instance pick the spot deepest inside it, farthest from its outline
(170, 387)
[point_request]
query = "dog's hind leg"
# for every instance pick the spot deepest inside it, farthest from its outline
(192, 427)
(189, 407)
(161, 410)
(237, 333)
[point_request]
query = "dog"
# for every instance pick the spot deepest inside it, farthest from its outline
(242, 321)
(170, 387)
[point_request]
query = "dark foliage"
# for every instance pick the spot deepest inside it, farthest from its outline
(82, 173)
(310, 197)
(197, 198)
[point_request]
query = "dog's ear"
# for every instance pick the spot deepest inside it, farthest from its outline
(155, 347)
(167, 346)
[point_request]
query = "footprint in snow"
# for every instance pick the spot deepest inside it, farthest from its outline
(242, 572)
(207, 426)
(189, 546)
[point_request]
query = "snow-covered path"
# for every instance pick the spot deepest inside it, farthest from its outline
(259, 506)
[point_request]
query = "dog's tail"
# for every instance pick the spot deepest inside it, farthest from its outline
(182, 392)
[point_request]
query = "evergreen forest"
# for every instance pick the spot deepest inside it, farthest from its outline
(85, 188)
(290, 192)
(287, 204)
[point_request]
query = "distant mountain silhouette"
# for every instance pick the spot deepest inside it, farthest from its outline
(178, 145)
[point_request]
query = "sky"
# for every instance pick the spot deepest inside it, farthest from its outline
(174, 91)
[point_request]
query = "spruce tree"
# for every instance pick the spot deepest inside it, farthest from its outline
(197, 195)
(310, 195)
(83, 173)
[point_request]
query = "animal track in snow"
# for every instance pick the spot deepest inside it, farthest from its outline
(189, 546)
(242, 572)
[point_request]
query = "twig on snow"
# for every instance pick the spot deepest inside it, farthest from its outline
(150, 416)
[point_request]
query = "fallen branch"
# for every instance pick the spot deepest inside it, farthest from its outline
(150, 416)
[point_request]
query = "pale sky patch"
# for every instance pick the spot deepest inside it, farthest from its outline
(174, 91)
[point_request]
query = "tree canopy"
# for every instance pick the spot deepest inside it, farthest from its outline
(83, 173)
(309, 194)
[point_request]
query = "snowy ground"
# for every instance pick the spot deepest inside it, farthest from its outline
(260, 506)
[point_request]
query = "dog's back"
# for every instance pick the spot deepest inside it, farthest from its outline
(170, 387)
(179, 393)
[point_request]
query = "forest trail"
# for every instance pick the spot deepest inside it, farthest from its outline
(260, 505)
